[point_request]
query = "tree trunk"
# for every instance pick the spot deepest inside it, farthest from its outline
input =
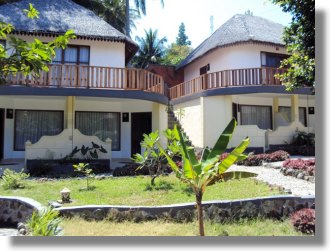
(127, 26)
(199, 196)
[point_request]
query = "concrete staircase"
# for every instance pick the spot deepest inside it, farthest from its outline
(172, 120)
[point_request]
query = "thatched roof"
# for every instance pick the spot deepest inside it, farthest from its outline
(239, 29)
(57, 16)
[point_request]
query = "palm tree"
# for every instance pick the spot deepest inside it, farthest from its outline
(111, 11)
(140, 5)
(151, 49)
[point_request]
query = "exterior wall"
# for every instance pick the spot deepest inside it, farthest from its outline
(192, 121)
(231, 57)
(283, 134)
(25, 102)
(217, 113)
(256, 135)
(111, 54)
(159, 116)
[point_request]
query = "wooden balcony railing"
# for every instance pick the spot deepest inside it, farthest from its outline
(227, 78)
(78, 76)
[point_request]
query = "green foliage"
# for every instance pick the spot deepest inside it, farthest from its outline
(151, 49)
(44, 223)
(28, 57)
(175, 53)
(84, 169)
(152, 157)
(182, 38)
(32, 12)
(13, 180)
(299, 38)
(200, 173)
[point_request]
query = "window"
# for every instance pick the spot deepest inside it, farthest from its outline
(272, 59)
(32, 125)
(256, 115)
(73, 54)
(101, 124)
(286, 111)
(204, 69)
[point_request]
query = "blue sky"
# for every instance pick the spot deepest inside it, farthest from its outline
(196, 16)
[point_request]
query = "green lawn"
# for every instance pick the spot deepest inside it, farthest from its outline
(136, 191)
(253, 227)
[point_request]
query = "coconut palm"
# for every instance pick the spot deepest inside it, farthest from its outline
(111, 11)
(151, 49)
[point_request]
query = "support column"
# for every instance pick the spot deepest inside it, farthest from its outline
(294, 108)
(70, 109)
(275, 111)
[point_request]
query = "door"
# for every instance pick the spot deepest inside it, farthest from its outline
(141, 124)
(2, 131)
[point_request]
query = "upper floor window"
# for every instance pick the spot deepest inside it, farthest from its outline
(73, 54)
(204, 69)
(272, 59)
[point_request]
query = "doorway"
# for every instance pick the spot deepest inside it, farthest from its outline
(141, 124)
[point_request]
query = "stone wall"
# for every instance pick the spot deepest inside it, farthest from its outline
(16, 209)
(273, 207)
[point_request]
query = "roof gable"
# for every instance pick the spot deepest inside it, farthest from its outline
(57, 16)
(238, 29)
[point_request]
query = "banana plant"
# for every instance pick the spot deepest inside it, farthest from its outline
(200, 173)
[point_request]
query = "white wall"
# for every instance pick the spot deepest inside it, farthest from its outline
(159, 115)
(217, 113)
(192, 121)
(102, 53)
(232, 57)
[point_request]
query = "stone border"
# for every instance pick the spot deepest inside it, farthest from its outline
(16, 209)
(273, 207)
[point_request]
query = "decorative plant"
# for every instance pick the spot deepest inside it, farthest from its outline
(304, 220)
(12, 179)
(87, 172)
(87, 152)
(44, 223)
(152, 158)
(209, 168)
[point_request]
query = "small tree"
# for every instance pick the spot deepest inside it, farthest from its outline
(87, 172)
(152, 158)
(200, 173)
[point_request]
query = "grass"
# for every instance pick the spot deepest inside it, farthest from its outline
(253, 227)
(136, 191)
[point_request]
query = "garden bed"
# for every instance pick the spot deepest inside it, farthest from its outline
(60, 167)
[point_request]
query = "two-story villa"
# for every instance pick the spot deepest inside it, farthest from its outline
(88, 86)
(231, 74)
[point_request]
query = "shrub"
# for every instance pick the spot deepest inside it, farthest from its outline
(258, 159)
(13, 180)
(300, 164)
(304, 220)
(44, 223)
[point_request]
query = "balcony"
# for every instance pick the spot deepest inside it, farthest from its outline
(92, 77)
(263, 76)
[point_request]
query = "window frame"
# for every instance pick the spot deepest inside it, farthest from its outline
(119, 126)
(33, 110)
(284, 56)
(304, 112)
(78, 55)
(271, 114)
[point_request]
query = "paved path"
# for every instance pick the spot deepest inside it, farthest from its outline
(275, 177)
